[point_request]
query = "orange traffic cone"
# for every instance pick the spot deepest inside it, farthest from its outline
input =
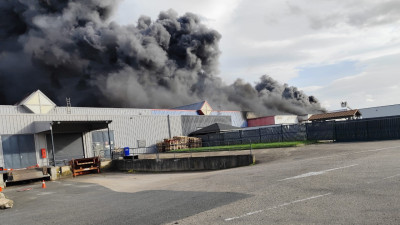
(43, 184)
(1, 189)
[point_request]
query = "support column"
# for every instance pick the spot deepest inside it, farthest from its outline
(52, 144)
(109, 139)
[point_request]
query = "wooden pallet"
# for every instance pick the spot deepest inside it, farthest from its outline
(85, 165)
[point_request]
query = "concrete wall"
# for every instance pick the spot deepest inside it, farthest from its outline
(184, 164)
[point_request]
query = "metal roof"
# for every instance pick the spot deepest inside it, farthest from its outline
(380, 111)
(70, 126)
(194, 106)
(335, 115)
(215, 128)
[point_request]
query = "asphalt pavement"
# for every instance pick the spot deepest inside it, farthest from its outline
(335, 183)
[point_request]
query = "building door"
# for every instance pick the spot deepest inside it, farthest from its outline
(66, 147)
(100, 143)
(18, 151)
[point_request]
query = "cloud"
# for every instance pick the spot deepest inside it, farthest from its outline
(279, 38)
(362, 14)
(376, 85)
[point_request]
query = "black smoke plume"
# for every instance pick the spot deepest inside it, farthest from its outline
(72, 49)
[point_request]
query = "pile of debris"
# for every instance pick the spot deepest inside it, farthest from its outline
(5, 203)
(178, 142)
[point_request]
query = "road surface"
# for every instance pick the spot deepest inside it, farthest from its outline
(337, 183)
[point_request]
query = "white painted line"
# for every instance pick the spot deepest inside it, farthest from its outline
(316, 173)
(276, 207)
(381, 179)
(376, 150)
(351, 153)
(397, 175)
(46, 193)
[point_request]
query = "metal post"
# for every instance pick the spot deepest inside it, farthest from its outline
(240, 136)
(334, 131)
(251, 153)
(169, 127)
(52, 144)
(306, 132)
(109, 139)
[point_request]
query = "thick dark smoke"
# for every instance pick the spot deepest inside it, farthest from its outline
(72, 49)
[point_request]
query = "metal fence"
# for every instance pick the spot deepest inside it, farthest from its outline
(340, 131)
(133, 152)
(350, 130)
(281, 133)
(369, 129)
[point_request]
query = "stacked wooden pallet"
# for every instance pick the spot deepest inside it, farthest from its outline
(178, 142)
(194, 142)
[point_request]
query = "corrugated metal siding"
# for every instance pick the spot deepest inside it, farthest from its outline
(40, 142)
(286, 119)
(236, 116)
(101, 111)
(194, 106)
(13, 110)
(193, 123)
(176, 125)
(1, 153)
(128, 129)
(87, 144)
(382, 111)
(175, 112)
(263, 121)
(10, 109)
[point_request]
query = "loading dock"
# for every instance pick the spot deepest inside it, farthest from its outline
(65, 138)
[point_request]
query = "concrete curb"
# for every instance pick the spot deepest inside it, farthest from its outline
(184, 164)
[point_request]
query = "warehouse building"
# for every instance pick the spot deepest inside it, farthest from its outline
(35, 128)
(277, 120)
(380, 111)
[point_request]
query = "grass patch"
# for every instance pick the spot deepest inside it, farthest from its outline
(246, 146)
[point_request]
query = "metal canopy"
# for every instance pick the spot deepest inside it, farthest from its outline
(70, 126)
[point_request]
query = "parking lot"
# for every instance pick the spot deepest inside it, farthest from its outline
(334, 183)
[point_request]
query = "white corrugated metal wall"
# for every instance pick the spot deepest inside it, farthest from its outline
(1, 153)
(129, 125)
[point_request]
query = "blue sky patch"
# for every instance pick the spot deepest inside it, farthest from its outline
(323, 75)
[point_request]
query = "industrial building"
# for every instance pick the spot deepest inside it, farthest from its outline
(35, 128)
(277, 120)
(380, 111)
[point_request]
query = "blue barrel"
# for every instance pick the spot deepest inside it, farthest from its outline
(126, 151)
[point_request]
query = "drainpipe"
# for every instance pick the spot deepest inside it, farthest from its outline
(52, 144)
(109, 139)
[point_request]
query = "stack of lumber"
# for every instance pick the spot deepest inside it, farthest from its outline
(178, 142)
(194, 142)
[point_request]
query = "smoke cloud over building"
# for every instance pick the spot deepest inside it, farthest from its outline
(72, 49)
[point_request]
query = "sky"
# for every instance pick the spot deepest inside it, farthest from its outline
(336, 50)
